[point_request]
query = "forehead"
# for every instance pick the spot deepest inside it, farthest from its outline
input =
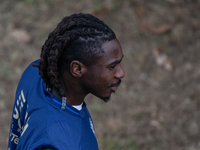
(112, 51)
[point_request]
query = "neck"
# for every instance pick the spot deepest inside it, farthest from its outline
(72, 97)
(72, 89)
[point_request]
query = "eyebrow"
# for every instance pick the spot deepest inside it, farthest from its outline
(117, 61)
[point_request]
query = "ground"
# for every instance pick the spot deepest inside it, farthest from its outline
(157, 105)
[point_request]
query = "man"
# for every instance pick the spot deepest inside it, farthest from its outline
(81, 56)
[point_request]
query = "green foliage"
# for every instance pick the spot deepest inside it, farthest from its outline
(112, 144)
(96, 107)
(97, 5)
(4, 71)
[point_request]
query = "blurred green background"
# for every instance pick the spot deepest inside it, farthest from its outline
(157, 106)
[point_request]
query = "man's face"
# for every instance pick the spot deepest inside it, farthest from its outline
(104, 77)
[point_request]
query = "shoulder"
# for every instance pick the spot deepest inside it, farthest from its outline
(31, 71)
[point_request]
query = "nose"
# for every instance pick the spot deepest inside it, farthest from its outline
(120, 72)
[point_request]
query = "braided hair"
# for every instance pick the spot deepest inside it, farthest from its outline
(76, 37)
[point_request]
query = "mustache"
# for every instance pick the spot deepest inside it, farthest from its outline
(117, 83)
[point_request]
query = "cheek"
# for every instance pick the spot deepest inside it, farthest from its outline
(105, 81)
(100, 83)
(101, 78)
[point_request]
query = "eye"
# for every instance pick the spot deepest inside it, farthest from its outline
(112, 67)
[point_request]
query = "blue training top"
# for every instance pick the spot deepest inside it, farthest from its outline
(38, 122)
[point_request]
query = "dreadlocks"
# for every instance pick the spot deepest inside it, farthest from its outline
(77, 37)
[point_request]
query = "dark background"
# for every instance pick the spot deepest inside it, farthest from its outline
(157, 104)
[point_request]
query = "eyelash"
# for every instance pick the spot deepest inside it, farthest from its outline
(112, 67)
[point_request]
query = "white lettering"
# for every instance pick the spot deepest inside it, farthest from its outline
(17, 102)
(22, 105)
(14, 136)
(26, 115)
(16, 116)
(25, 127)
(20, 127)
(23, 98)
(16, 140)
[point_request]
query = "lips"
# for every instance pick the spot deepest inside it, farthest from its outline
(115, 86)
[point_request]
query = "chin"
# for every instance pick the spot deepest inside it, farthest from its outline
(105, 99)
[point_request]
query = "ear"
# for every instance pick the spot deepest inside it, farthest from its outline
(77, 68)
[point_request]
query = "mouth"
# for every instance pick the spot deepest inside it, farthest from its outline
(115, 86)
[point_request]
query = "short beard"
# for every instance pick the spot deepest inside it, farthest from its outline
(105, 99)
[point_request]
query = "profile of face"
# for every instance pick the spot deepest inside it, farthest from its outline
(104, 77)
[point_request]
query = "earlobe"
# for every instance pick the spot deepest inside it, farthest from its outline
(77, 68)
